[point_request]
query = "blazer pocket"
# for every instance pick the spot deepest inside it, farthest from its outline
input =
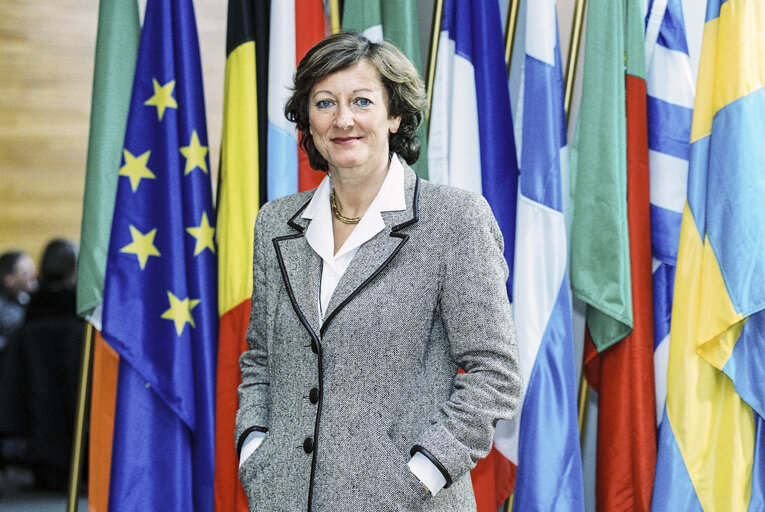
(255, 469)
(398, 488)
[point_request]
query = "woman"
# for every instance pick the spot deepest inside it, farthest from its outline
(370, 292)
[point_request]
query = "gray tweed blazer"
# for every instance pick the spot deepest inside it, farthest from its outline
(346, 404)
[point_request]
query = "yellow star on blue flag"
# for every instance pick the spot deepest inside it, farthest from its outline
(205, 235)
(135, 168)
(195, 154)
(142, 245)
(180, 311)
(163, 97)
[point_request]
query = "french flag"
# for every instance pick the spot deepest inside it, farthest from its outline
(470, 142)
(471, 146)
(544, 439)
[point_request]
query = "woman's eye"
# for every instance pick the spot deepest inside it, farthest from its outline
(363, 102)
(321, 104)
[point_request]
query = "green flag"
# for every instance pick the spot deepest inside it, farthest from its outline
(116, 49)
(600, 261)
(401, 27)
(395, 21)
(634, 50)
(364, 17)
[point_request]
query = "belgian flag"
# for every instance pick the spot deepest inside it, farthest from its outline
(241, 190)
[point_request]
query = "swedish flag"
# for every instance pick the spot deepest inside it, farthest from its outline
(713, 442)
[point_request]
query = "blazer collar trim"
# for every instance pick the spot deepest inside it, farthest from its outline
(394, 220)
(301, 272)
(415, 201)
(372, 258)
(296, 222)
(377, 253)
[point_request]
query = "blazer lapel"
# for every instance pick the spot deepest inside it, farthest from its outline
(374, 255)
(301, 271)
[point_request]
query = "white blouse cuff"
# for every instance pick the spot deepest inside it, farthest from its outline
(426, 472)
(251, 443)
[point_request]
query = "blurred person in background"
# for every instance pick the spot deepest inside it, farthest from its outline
(41, 369)
(18, 279)
(58, 280)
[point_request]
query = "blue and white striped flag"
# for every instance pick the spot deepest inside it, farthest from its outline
(671, 94)
(670, 110)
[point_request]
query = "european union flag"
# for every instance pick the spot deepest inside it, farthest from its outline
(160, 311)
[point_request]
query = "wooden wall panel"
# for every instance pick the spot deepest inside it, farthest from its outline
(46, 57)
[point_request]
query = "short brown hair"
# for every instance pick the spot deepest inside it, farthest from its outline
(402, 82)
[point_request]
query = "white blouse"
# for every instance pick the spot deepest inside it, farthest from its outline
(319, 234)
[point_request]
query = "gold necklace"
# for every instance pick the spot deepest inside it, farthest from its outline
(336, 211)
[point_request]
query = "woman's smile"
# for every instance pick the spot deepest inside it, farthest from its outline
(344, 141)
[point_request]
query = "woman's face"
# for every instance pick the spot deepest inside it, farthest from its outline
(348, 118)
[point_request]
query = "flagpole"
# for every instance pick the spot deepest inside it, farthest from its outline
(510, 27)
(78, 440)
(334, 16)
(438, 10)
(584, 398)
(573, 53)
(571, 65)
